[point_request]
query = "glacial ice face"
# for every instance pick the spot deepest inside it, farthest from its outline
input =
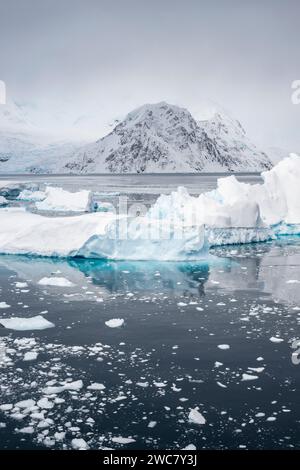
(177, 227)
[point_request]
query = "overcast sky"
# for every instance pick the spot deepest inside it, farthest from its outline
(114, 55)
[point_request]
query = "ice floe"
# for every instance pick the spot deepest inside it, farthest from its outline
(55, 281)
(196, 417)
(115, 322)
(23, 324)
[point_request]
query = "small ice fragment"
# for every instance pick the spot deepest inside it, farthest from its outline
(96, 386)
(55, 281)
(122, 440)
(190, 447)
(4, 305)
(196, 417)
(274, 339)
(114, 322)
(79, 444)
(246, 377)
(152, 424)
(224, 346)
(30, 356)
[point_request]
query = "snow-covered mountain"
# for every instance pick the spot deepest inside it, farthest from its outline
(154, 138)
(166, 138)
(25, 147)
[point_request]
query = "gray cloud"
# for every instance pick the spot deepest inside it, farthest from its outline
(113, 55)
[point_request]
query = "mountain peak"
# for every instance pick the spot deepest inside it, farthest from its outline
(162, 137)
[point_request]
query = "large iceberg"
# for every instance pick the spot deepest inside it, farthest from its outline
(177, 227)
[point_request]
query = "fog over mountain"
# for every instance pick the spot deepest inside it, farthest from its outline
(75, 59)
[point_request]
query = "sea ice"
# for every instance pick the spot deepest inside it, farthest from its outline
(122, 440)
(79, 444)
(30, 356)
(196, 417)
(246, 377)
(23, 324)
(114, 322)
(55, 281)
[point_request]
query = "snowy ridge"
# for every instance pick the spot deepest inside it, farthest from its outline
(166, 138)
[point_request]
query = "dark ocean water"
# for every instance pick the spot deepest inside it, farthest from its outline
(217, 336)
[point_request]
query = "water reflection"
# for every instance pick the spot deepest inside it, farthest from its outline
(272, 268)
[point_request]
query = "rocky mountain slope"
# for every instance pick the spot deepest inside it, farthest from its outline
(161, 137)
(155, 138)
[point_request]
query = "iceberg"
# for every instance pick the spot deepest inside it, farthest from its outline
(178, 227)
(31, 195)
(60, 200)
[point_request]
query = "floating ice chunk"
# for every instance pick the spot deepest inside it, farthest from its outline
(274, 339)
(114, 322)
(246, 377)
(152, 424)
(6, 407)
(30, 356)
(27, 430)
(196, 417)
(45, 403)
(159, 384)
(52, 390)
(190, 447)
(55, 281)
(122, 440)
(79, 444)
(21, 285)
(60, 200)
(96, 386)
(25, 403)
(4, 305)
(23, 324)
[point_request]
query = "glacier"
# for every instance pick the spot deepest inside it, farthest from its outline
(178, 227)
